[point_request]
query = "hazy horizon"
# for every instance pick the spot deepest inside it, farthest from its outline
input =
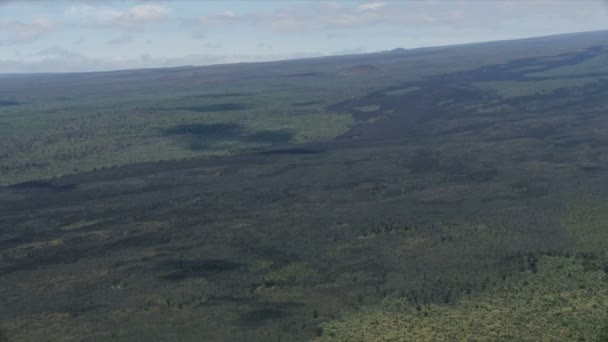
(80, 36)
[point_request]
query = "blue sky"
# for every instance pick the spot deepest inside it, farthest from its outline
(68, 36)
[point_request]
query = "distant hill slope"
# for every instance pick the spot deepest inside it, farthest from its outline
(53, 124)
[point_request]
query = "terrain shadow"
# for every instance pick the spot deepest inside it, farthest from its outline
(293, 150)
(43, 185)
(222, 107)
(204, 136)
(183, 269)
(219, 95)
(305, 104)
(261, 315)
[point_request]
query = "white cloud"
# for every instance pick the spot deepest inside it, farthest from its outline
(60, 60)
(380, 24)
(18, 32)
(106, 17)
(96, 15)
(222, 18)
(371, 6)
(498, 15)
(287, 19)
(328, 15)
(88, 12)
(367, 14)
(147, 12)
(57, 52)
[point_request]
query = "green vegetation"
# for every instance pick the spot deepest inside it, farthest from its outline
(3, 337)
(51, 125)
(292, 273)
(564, 301)
(559, 297)
(587, 222)
(55, 139)
(591, 66)
(510, 89)
(81, 224)
(368, 108)
(271, 207)
(401, 91)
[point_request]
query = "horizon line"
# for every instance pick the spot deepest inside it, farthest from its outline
(295, 59)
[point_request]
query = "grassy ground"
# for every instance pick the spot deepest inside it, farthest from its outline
(59, 140)
(587, 222)
(565, 300)
(557, 298)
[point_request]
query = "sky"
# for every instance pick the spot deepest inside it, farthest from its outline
(91, 35)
